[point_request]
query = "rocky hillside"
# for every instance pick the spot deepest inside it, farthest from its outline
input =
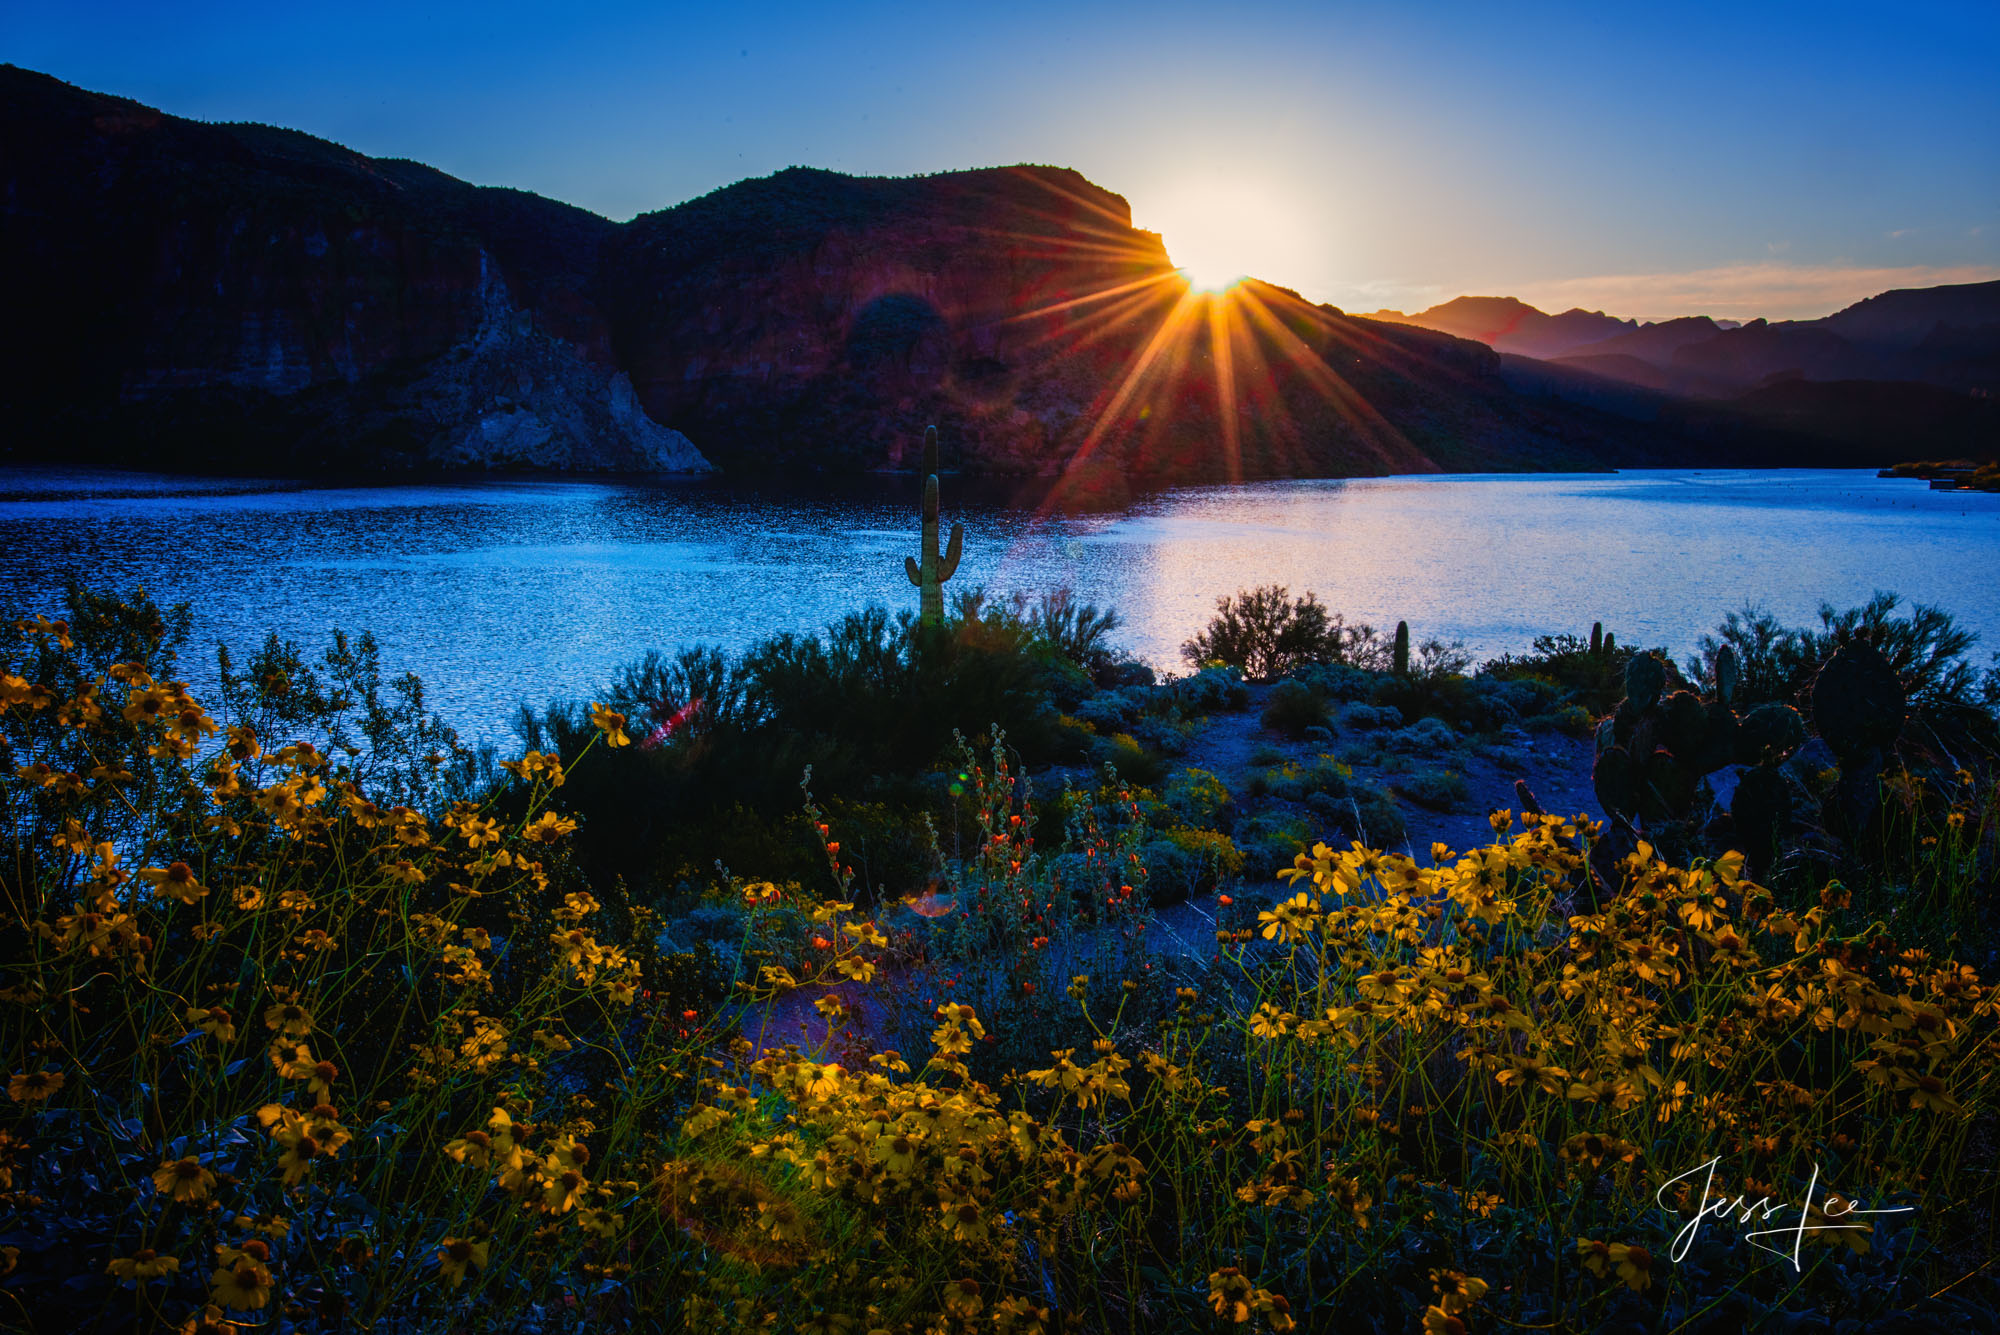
(181, 294)
(1908, 374)
(238, 296)
(1943, 336)
(813, 319)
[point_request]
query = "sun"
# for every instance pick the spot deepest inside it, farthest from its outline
(1219, 232)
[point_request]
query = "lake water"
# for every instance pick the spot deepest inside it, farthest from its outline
(501, 591)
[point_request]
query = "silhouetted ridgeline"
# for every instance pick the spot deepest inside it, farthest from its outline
(184, 295)
(1902, 375)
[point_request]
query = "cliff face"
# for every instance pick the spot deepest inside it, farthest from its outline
(245, 296)
(188, 295)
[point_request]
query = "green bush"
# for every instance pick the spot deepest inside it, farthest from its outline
(1292, 707)
(1438, 789)
(1594, 679)
(1199, 799)
(1268, 634)
(1927, 647)
(871, 707)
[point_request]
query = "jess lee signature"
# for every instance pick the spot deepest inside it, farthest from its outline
(1832, 1214)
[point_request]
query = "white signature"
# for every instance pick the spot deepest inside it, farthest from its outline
(1715, 1206)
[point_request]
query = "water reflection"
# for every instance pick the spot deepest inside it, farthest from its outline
(501, 591)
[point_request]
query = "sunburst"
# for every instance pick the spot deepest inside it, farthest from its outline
(1199, 337)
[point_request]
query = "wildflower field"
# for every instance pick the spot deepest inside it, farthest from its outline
(316, 1021)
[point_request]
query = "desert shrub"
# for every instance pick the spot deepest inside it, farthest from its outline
(1161, 734)
(1268, 634)
(1436, 686)
(1527, 696)
(1594, 679)
(1377, 820)
(1285, 782)
(1112, 711)
(1270, 840)
(1074, 740)
(1427, 736)
(1571, 720)
(1212, 690)
(1292, 707)
(1125, 672)
(1186, 864)
(1927, 647)
(1327, 775)
(1342, 683)
(1438, 789)
(1134, 762)
(1075, 631)
(1363, 718)
(1198, 799)
(871, 706)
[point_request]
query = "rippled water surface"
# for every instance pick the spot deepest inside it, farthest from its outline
(500, 591)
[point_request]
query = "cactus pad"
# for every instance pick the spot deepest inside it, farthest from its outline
(1858, 702)
(1645, 678)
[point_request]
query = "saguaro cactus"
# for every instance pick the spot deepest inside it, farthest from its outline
(935, 568)
(1399, 657)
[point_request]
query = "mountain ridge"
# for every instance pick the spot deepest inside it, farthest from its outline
(252, 297)
(1947, 336)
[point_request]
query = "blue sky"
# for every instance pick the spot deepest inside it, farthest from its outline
(1780, 161)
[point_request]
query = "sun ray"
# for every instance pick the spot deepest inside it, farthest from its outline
(1220, 334)
(1110, 215)
(1174, 323)
(1058, 306)
(1374, 427)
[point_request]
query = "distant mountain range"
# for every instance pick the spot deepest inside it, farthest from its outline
(1907, 366)
(184, 295)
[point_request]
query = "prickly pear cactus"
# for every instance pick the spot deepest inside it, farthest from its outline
(1859, 706)
(1654, 756)
(1858, 702)
(930, 573)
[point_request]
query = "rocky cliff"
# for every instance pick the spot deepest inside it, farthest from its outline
(243, 296)
(238, 296)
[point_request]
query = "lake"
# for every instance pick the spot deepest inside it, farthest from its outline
(508, 590)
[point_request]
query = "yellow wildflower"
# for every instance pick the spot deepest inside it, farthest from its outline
(184, 1181)
(142, 1265)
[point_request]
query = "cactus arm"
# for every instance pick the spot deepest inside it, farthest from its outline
(910, 568)
(949, 565)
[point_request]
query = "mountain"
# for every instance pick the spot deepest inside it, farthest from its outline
(241, 297)
(1506, 324)
(1943, 336)
(822, 320)
(246, 297)
(181, 294)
